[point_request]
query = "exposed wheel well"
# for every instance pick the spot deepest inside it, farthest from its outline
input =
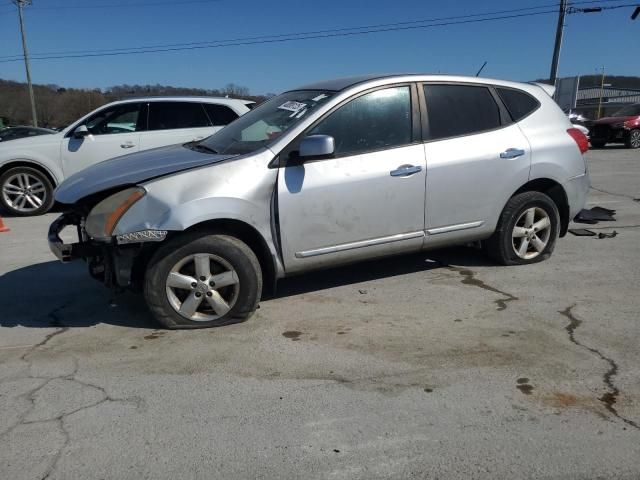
(35, 166)
(252, 238)
(556, 192)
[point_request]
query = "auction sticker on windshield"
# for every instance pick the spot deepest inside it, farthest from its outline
(292, 106)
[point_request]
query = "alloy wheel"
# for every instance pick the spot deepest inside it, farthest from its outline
(202, 287)
(635, 139)
(531, 233)
(24, 192)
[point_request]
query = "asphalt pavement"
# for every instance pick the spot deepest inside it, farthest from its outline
(439, 365)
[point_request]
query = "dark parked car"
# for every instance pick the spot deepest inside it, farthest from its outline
(622, 127)
(13, 133)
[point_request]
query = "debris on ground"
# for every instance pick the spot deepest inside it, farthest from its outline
(595, 215)
(582, 232)
(602, 235)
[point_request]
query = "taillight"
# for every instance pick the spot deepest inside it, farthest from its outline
(581, 139)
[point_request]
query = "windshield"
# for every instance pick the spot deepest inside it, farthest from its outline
(628, 111)
(264, 124)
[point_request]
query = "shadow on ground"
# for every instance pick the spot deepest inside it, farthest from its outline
(378, 269)
(52, 294)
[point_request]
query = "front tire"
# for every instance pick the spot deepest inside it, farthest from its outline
(200, 281)
(597, 143)
(25, 191)
(633, 139)
(527, 230)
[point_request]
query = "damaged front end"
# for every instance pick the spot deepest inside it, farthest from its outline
(118, 261)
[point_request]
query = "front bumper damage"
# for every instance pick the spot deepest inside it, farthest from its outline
(115, 265)
(66, 252)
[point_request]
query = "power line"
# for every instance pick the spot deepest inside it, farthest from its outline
(124, 4)
(301, 36)
(174, 3)
(266, 37)
(288, 37)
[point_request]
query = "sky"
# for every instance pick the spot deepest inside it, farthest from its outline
(515, 48)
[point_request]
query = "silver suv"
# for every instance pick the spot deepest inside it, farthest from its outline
(326, 174)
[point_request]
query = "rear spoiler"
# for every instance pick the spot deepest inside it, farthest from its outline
(550, 89)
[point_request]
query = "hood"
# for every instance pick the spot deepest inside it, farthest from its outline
(611, 120)
(132, 169)
(33, 141)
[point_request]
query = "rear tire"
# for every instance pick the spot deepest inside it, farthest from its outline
(527, 230)
(25, 191)
(200, 281)
(633, 139)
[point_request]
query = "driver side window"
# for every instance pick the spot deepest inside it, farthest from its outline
(374, 121)
(118, 119)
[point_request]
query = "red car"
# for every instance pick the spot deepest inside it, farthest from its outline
(622, 127)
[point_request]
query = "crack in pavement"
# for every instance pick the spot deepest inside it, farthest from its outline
(609, 398)
(470, 279)
(56, 321)
(614, 226)
(631, 197)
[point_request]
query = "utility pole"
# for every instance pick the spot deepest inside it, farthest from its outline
(601, 95)
(20, 4)
(556, 49)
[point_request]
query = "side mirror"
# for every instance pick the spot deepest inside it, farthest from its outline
(317, 146)
(81, 132)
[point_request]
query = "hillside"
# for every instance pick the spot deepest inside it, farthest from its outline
(58, 106)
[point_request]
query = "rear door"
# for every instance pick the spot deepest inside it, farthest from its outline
(477, 157)
(175, 122)
(368, 199)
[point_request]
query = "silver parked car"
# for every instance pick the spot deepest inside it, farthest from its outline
(327, 174)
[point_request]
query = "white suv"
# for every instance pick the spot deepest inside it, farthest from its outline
(31, 168)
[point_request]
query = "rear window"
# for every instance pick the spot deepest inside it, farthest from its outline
(519, 103)
(220, 115)
(456, 110)
(172, 115)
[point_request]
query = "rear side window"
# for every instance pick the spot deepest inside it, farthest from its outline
(219, 115)
(519, 103)
(456, 110)
(172, 115)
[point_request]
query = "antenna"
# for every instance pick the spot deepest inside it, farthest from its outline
(481, 68)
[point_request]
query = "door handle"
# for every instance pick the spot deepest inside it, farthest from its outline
(512, 153)
(405, 170)
(127, 145)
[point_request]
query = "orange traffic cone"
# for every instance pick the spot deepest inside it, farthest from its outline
(3, 227)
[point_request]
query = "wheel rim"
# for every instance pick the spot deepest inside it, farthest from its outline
(24, 192)
(531, 233)
(635, 138)
(202, 287)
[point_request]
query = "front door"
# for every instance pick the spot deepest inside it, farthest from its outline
(113, 131)
(368, 199)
